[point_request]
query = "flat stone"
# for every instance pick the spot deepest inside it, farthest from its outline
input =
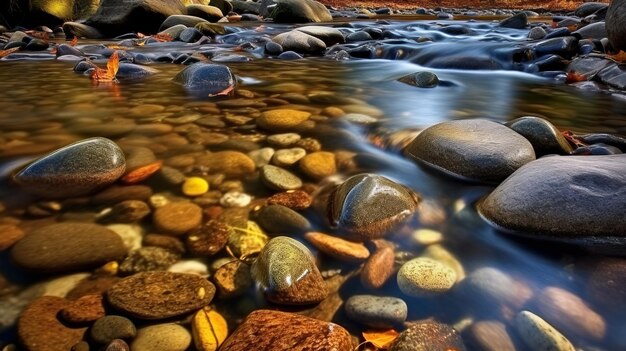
(111, 327)
(67, 246)
(539, 335)
(266, 331)
(281, 119)
(207, 79)
(233, 164)
(277, 219)
(297, 200)
(279, 179)
(208, 239)
(77, 169)
(177, 218)
(330, 36)
(423, 79)
(146, 259)
(338, 248)
(425, 277)
(578, 199)
(476, 149)
(159, 295)
(493, 286)
(209, 13)
(319, 165)
(428, 336)
(376, 311)
(288, 157)
(162, 337)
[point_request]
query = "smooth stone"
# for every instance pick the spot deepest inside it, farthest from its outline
(233, 164)
(173, 32)
(162, 337)
(563, 46)
(537, 33)
(300, 42)
(190, 35)
(588, 8)
(539, 335)
(76, 169)
(66, 247)
(615, 28)
(211, 29)
(564, 198)
(209, 239)
(39, 329)
(273, 48)
(517, 21)
(425, 277)
(319, 165)
(177, 218)
(358, 36)
(428, 336)
(440, 254)
(490, 336)
(64, 49)
(111, 327)
(287, 273)
(376, 311)
(160, 295)
(300, 11)
(350, 207)
(281, 119)
(115, 17)
(81, 30)
(422, 79)
(330, 36)
(283, 140)
(117, 345)
(288, 157)
(338, 248)
(131, 71)
(36, 45)
(190, 267)
(225, 6)
(543, 135)
(232, 279)
(493, 286)
(265, 330)
(476, 149)
(206, 78)
(595, 31)
(378, 268)
(148, 259)
(279, 179)
(235, 199)
(209, 13)
(186, 20)
(277, 219)
(294, 199)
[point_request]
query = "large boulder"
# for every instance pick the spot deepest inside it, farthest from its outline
(616, 24)
(207, 79)
(579, 199)
(476, 149)
(301, 42)
(186, 20)
(300, 11)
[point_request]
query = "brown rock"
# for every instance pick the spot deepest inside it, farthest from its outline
(266, 330)
(86, 309)
(92, 286)
(281, 119)
(233, 164)
(166, 242)
(318, 165)
(338, 248)
(232, 279)
(177, 218)
(148, 258)
(9, 235)
(297, 200)
(39, 329)
(118, 193)
(159, 295)
(209, 239)
(128, 211)
(378, 268)
(428, 336)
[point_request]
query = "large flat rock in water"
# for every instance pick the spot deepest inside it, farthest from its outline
(474, 149)
(580, 199)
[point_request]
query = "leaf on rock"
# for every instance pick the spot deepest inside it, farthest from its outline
(573, 77)
(141, 173)
(113, 65)
(619, 57)
(573, 139)
(7, 52)
(381, 339)
(163, 37)
(224, 92)
(74, 41)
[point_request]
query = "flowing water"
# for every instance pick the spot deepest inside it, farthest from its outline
(45, 105)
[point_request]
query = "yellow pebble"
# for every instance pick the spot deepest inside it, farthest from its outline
(209, 330)
(195, 186)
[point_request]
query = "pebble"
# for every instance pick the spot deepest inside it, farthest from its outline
(87, 308)
(299, 42)
(441, 255)
(233, 164)
(265, 330)
(76, 169)
(232, 279)
(279, 179)
(207, 79)
(161, 337)
(277, 219)
(131, 234)
(261, 157)
(281, 119)
(539, 335)
(168, 242)
(338, 248)
(490, 336)
(319, 165)
(283, 140)
(66, 247)
(376, 311)
(9, 235)
(379, 268)
(111, 327)
(177, 218)
(428, 336)
(425, 277)
(422, 79)
(426, 236)
(195, 186)
(288, 157)
(235, 199)
(149, 258)
(159, 295)
(296, 200)
(128, 211)
(190, 267)
(286, 271)
(209, 239)
(209, 330)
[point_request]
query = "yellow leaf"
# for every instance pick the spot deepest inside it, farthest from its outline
(6, 52)
(209, 329)
(381, 339)
(113, 65)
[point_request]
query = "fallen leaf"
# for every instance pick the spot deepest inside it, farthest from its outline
(381, 339)
(573, 77)
(141, 173)
(573, 139)
(619, 57)
(224, 92)
(102, 75)
(38, 34)
(74, 41)
(7, 52)
(163, 37)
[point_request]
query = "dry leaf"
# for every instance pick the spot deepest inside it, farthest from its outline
(113, 65)
(209, 329)
(141, 173)
(224, 92)
(163, 37)
(619, 57)
(573, 139)
(573, 77)
(381, 339)
(7, 52)
(74, 41)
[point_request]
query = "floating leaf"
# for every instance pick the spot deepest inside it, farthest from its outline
(142, 173)
(7, 52)
(381, 339)
(573, 77)
(113, 65)
(619, 57)
(209, 329)
(224, 92)
(74, 41)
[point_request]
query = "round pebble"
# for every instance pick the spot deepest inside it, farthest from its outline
(279, 179)
(376, 311)
(318, 165)
(235, 199)
(539, 335)
(111, 327)
(281, 119)
(195, 186)
(424, 277)
(177, 218)
(288, 157)
(162, 337)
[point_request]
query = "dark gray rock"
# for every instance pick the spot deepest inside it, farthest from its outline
(330, 36)
(131, 71)
(123, 16)
(246, 6)
(64, 49)
(517, 21)
(616, 24)
(465, 62)
(477, 149)
(592, 31)
(111, 327)
(36, 45)
(186, 20)
(589, 66)
(456, 29)
(300, 11)
(209, 13)
(67, 246)
(536, 33)
(580, 199)
(589, 8)
(422, 79)
(205, 78)
(613, 75)
(376, 311)
(273, 48)
(358, 36)
(81, 30)
(368, 206)
(289, 55)
(563, 46)
(277, 219)
(225, 6)
(77, 169)
(190, 35)
(300, 42)
(544, 136)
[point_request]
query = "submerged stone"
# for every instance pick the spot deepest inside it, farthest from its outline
(77, 169)
(428, 336)
(544, 136)
(205, 78)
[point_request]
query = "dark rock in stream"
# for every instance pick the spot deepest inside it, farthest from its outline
(616, 24)
(614, 75)
(577, 199)
(205, 78)
(300, 11)
(423, 79)
(130, 71)
(545, 137)
(563, 46)
(80, 30)
(64, 49)
(209, 13)
(592, 31)
(589, 8)
(518, 21)
(186, 20)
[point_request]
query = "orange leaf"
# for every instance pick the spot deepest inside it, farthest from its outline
(381, 339)
(619, 57)
(573, 77)
(163, 37)
(113, 65)
(141, 173)
(74, 41)
(224, 92)
(6, 52)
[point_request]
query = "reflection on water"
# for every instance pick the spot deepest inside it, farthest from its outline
(44, 105)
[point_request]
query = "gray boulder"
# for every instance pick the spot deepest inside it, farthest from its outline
(476, 149)
(330, 36)
(588, 8)
(122, 16)
(186, 20)
(209, 13)
(545, 137)
(206, 79)
(592, 31)
(517, 21)
(616, 24)
(300, 11)
(300, 42)
(579, 199)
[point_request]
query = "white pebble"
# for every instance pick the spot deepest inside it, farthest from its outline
(191, 267)
(235, 199)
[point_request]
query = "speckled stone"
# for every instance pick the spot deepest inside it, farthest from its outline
(277, 219)
(232, 279)
(428, 336)
(266, 331)
(279, 179)
(376, 311)
(87, 308)
(286, 271)
(67, 246)
(539, 335)
(368, 206)
(338, 248)
(209, 239)
(149, 258)
(294, 199)
(476, 149)
(162, 337)
(111, 327)
(281, 119)
(177, 218)
(159, 295)
(424, 277)
(319, 165)
(77, 169)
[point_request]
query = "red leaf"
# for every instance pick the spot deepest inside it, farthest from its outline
(573, 139)
(103, 75)
(573, 77)
(74, 41)
(7, 52)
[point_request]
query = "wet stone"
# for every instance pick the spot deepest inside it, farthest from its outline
(539, 335)
(288, 157)
(378, 268)
(128, 211)
(338, 248)
(517, 21)
(146, 259)
(87, 308)
(428, 336)
(282, 119)
(232, 279)
(425, 277)
(117, 345)
(177, 218)
(159, 295)
(111, 327)
(208, 79)
(162, 337)
(209, 239)
(233, 164)
(279, 179)
(277, 219)
(545, 137)
(297, 200)
(422, 79)
(615, 19)
(376, 311)
(490, 336)
(9, 235)
(319, 165)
